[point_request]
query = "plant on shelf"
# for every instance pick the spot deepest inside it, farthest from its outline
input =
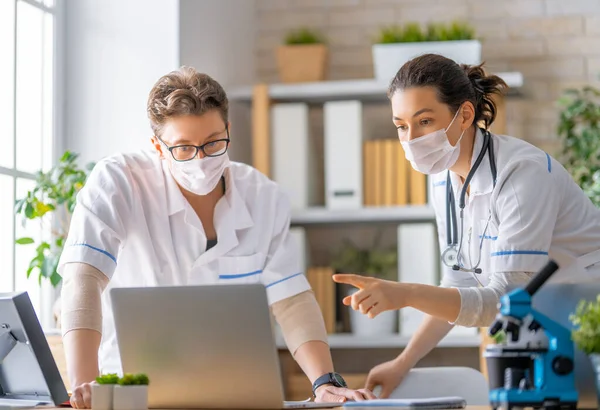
(111, 378)
(54, 194)
(129, 379)
(303, 56)
(396, 44)
(111, 392)
(586, 335)
(579, 130)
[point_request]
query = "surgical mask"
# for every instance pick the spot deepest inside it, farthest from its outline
(432, 153)
(200, 175)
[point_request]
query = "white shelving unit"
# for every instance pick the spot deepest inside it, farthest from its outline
(399, 214)
(350, 341)
(362, 89)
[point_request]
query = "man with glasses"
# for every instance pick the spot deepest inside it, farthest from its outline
(183, 214)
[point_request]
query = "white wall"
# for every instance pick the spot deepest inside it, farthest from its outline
(217, 38)
(115, 52)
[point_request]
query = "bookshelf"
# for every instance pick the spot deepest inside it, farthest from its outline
(363, 89)
(350, 341)
(398, 214)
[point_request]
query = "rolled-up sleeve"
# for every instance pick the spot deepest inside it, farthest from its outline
(99, 223)
(282, 275)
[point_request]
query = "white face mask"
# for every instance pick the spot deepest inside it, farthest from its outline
(432, 153)
(199, 175)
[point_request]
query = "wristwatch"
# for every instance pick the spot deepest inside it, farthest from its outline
(329, 378)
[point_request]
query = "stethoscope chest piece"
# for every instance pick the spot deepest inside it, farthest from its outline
(450, 256)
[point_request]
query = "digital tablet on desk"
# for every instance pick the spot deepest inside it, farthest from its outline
(430, 403)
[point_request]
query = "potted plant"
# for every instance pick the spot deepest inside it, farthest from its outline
(102, 391)
(395, 45)
(131, 392)
(303, 57)
(375, 262)
(51, 203)
(586, 334)
(579, 130)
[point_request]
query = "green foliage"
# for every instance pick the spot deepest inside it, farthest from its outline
(579, 129)
(587, 322)
(376, 262)
(54, 194)
(414, 32)
(499, 337)
(304, 36)
(111, 378)
(129, 379)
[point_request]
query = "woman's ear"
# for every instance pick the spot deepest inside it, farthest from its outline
(467, 115)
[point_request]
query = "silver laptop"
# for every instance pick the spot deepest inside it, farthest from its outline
(558, 301)
(202, 346)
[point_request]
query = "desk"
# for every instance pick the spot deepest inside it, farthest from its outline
(334, 408)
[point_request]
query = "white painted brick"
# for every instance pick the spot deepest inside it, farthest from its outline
(272, 4)
(546, 26)
(558, 88)
(551, 68)
(271, 21)
(321, 4)
(351, 57)
(592, 25)
(347, 37)
(588, 46)
(498, 49)
(310, 18)
(491, 29)
(266, 61)
(554, 7)
(538, 90)
(350, 73)
(360, 17)
(593, 68)
(538, 133)
(482, 9)
(438, 12)
(269, 41)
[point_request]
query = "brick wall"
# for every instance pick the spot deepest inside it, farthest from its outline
(554, 43)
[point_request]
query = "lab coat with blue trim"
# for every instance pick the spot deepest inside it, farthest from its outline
(132, 223)
(537, 212)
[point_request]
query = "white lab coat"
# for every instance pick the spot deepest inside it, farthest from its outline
(132, 223)
(537, 213)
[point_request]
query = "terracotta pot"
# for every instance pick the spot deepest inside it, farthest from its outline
(302, 63)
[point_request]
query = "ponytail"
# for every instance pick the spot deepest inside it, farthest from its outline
(484, 87)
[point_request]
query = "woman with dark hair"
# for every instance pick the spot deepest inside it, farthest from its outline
(503, 208)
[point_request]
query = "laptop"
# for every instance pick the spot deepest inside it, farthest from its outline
(202, 347)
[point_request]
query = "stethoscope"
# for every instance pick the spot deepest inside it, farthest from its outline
(451, 257)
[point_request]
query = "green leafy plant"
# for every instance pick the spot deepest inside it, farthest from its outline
(304, 36)
(586, 319)
(111, 378)
(579, 130)
(414, 32)
(376, 262)
(499, 337)
(54, 194)
(129, 379)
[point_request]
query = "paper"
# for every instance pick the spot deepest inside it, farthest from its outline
(453, 402)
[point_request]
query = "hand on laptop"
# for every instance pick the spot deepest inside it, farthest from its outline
(82, 396)
(329, 393)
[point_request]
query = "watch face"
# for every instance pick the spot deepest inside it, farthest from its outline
(338, 379)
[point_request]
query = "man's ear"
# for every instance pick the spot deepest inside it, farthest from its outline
(157, 146)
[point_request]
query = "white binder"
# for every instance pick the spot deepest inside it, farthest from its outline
(343, 154)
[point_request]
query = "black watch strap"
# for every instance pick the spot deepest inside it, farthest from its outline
(329, 378)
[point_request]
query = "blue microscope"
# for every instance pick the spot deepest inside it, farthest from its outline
(531, 376)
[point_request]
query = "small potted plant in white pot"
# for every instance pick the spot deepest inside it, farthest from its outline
(102, 391)
(586, 334)
(303, 57)
(131, 393)
(375, 262)
(395, 45)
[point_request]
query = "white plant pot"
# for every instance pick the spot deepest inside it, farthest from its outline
(384, 324)
(130, 397)
(388, 58)
(102, 396)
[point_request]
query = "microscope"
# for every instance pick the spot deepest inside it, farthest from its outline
(531, 375)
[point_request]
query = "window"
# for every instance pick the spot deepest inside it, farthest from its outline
(27, 128)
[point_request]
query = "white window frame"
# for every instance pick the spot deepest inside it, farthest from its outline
(48, 294)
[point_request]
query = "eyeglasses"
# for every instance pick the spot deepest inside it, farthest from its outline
(213, 148)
